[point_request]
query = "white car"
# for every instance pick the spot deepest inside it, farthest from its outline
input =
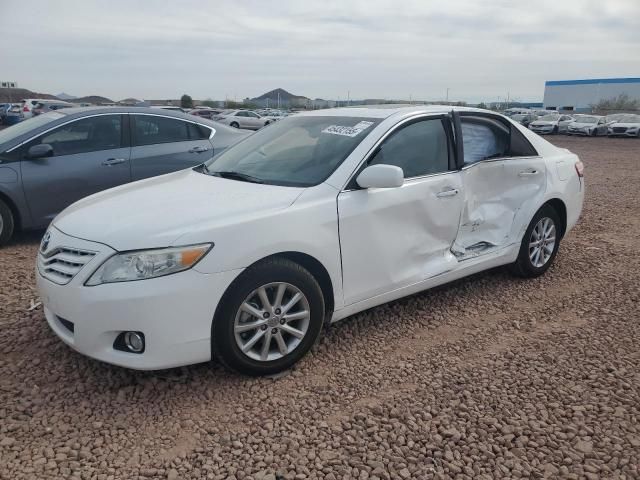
(322, 215)
(243, 119)
(551, 124)
(589, 125)
(28, 104)
(625, 126)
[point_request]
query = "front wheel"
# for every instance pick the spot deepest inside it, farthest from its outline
(6, 223)
(270, 317)
(234, 125)
(539, 245)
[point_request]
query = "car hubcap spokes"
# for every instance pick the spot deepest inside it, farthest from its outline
(542, 242)
(272, 321)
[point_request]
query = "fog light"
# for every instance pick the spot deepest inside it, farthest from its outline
(134, 341)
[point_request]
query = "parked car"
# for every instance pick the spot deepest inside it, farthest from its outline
(591, 125)
(13, 115)
(551, 124)
(242, 119)
(170, 107)
(205, 112)
(28, 104)
(52, 106)
(274, 115)
(3, 111)
(321, 215)
(626, 126)
(524, 118)
(50, 161)
(510, 112)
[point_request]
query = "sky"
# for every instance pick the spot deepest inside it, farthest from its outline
(480, 50)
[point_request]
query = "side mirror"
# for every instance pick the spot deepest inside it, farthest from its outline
(40, 151)
(381, 176)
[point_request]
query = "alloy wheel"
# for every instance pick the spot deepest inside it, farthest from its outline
(272, 321)
(542, 242)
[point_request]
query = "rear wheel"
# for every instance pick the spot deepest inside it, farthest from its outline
(555, 130)
(7, 223)
(269, 319)
(539, 245)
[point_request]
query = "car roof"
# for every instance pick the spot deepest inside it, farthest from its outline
(80, 111)
(385, 111)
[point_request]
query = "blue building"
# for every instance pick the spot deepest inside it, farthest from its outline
(580, 95)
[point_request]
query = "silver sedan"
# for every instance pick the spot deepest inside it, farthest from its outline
(243, 119)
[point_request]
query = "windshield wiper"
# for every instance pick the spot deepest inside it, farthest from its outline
(243, 177)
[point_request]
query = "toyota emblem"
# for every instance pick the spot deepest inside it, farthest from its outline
(45, 242)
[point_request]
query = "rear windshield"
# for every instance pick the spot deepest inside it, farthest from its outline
(25, 126)
(295, 151)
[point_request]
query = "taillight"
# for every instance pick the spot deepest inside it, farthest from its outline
(580, 168)
(25, 109)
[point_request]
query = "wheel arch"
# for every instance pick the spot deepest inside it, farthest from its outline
(561, 209)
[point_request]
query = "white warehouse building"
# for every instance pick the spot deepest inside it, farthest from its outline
(579, 95)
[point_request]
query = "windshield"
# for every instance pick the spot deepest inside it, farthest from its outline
(295, 151)
(629, 119)
(549, 118)
(587, 119)
(25, 126)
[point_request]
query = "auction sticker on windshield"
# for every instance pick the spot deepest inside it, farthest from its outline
(347, 131)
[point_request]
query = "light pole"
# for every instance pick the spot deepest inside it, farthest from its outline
(447, 94)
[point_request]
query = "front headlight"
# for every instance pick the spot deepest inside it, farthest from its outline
(144, 264)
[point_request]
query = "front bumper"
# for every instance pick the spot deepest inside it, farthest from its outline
(578, 132)
(174, 312)
(626, 133)
(546, 129)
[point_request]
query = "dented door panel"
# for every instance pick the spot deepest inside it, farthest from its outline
(391, 238)
(500, 197)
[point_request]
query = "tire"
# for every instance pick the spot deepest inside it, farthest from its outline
(594, 133)
(234, 125)
(524, 265)
(7, 223)
(227, 338)
(555, 130)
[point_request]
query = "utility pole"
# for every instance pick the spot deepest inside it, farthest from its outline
(278, 100)
(348, 97)
(447, 94)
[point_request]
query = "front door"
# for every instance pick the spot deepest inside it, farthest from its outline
(503, 181)
(90, 155)
(164, 144)
(396, 237)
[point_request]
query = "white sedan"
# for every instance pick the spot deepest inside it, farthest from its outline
(243, 119)
(321, 215)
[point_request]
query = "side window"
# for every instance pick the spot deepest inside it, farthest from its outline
(240, 114)
(91, 134)
(150, 130)
(252, 115)
(198, 132)
(420, 148)
(483, 139)
(486, 138)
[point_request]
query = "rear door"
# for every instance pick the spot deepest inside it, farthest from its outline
(166, 144)
(90, 154)
(391, 238)
(504, 181)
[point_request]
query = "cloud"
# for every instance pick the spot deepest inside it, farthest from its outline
(372, 49)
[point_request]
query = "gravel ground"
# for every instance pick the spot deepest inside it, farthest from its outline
(490, 377)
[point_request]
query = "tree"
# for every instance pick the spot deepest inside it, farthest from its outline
(186, 101)
(482, 105)
(209, 103)
(621, 102)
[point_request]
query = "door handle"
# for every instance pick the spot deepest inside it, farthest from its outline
(198, 149)
(113, 161)
(527, 173)
(450, 192)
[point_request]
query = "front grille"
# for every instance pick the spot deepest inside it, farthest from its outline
(61, 264)
(619, 129)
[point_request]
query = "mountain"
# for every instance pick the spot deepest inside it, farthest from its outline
(65, 96)
(285, 98)
(14, 95)
(93, 99)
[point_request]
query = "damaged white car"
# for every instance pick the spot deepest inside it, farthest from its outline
(321, 215)
(625, 126)
(551, 124)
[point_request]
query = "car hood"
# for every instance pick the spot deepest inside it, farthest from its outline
(156, 212)
(627, 125)
(581, 125)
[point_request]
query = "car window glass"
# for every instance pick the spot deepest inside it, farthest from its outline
(482, 140)
(241, 114)
(420, 148)
(198, 132)
(252, 115)
(92, 134)
(150, 130)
